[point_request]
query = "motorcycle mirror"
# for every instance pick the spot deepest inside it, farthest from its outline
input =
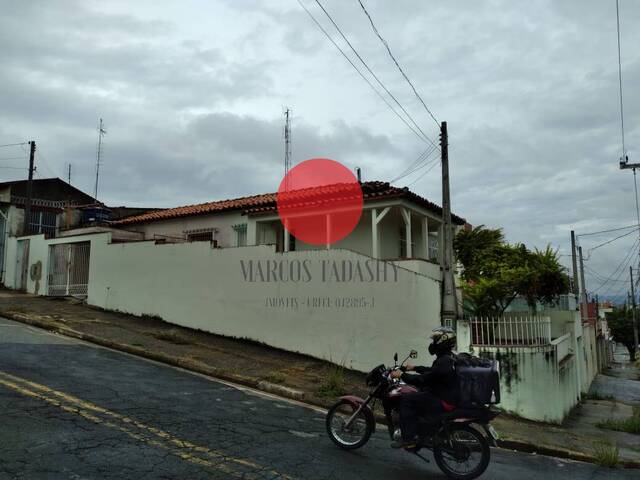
(395, 357)
(413, 354)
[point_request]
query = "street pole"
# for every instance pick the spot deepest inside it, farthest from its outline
(633, 311)
(583, 286)
(27, 204)
(575, 264)
(449, 304)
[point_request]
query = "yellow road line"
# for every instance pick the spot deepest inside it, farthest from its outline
(175, 445)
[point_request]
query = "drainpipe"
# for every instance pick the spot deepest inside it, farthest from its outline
(4, 244)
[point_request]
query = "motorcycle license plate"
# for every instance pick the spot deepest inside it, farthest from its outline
(493, 433)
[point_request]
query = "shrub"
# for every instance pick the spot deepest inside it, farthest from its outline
(333, 385)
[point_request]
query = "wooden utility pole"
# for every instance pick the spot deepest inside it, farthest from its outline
(27, 204)
(583, 288)
(633, 310)
(449, 310)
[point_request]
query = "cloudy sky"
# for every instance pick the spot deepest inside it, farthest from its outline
(192, 95)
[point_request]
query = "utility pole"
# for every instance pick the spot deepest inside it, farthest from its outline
(27, 204)
(583, 299)
(574, 260)
(101, 132)
(449, 305)
(633, 310)
(69, 175)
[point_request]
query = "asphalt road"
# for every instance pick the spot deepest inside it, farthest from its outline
(71, 410)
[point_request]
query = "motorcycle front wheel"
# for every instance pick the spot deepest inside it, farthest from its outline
(464, 454)
(357, 433)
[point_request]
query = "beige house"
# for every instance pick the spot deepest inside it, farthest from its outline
(396, 225)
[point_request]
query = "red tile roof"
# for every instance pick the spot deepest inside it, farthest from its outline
(266, 203)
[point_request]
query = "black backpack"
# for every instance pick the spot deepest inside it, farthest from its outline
(478, 380)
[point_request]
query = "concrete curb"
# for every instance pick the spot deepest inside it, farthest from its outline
(272, 388)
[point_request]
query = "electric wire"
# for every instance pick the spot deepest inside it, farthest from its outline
(372, 72)
(360, 73)
(424, 173)
(13, 144)
(417, 164)
(429, 164)
(607, 231)
(384, 42)
(617, 273)
(609, 241)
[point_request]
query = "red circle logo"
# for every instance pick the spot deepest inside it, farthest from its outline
(319, 201)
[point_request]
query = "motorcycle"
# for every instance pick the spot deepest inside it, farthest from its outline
(459, 448)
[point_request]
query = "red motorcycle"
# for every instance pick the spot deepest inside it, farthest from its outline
(460, 449)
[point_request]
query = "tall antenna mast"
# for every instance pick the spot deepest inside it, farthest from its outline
(101, 132)
(287, 146)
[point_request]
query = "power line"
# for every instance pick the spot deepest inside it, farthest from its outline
(429, 164)
(620, 269)
(13, 158)
(607, 231)
(13, 144)
(384, 42)
(359, 72)
(422, 158)
(610, 241)
(425, 172)
(371, 72)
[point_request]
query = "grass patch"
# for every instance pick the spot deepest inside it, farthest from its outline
(172, 336)
(275, 377)
(333, 384)
(628, 425)
(598, 396)
(606, 454)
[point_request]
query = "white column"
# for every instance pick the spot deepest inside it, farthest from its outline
(375, 220)
(425, 237)
(406, 216)
(252, 232)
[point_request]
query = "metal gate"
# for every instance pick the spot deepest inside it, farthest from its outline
(69, 269)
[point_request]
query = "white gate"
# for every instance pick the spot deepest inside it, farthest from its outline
(69, 268)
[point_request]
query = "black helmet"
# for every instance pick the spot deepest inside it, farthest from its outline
(443, 339)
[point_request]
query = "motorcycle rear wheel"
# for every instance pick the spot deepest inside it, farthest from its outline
(354, 436)
(466, 443)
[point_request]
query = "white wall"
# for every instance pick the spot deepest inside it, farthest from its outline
(194, 285)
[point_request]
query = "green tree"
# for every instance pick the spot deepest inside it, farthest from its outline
(620, 322)
(495, 272)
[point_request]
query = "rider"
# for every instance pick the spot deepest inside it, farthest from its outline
(437, 384)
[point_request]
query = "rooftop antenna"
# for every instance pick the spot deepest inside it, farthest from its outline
(287, 146)
(101, 132)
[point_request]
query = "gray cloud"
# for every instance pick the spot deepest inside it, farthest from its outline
(192, 95)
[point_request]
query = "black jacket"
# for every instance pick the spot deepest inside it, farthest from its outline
(440, 379)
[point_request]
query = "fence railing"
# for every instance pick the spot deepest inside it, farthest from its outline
(511, 331)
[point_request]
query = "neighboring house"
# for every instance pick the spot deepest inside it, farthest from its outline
(54, 206)
(396, 224)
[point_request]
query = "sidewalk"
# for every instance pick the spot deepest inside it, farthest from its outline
(307, 379)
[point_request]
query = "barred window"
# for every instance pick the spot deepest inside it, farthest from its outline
(202, 235)
(42, 222)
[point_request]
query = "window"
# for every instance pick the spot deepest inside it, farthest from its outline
(241, 234)
(433, 247)
(42, 222)
(202, 235)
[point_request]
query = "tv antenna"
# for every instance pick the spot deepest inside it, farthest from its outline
(101, 133)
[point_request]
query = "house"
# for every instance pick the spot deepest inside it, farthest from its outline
(396, 225)
(52, 208)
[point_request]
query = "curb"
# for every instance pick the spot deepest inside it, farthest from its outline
(272, 388)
